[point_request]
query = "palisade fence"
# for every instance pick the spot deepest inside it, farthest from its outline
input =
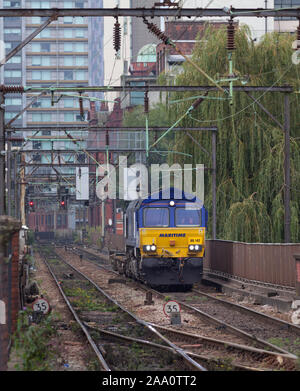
(266, 262)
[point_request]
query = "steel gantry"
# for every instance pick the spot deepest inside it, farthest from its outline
(286, 90)
(153, 12)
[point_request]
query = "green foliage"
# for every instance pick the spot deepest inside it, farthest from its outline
(91, 234)
(31, 343)
(87, 300)
(250, 145)
(30, 237)
(76, 237)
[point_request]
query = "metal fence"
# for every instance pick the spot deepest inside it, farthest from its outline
(266, 262)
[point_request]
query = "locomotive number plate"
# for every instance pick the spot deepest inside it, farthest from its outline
(195, 240)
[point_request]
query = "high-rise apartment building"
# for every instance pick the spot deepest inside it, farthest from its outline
(11, 73)
(69, 53)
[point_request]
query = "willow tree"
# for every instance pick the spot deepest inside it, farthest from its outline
(250, 154)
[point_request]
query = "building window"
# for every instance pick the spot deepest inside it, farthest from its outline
(36, 117)
(46, 75)
(12, 73)
(14, 60)
(68, 4)
(13, 101)
(45, 46)
(36, 20)
(45, 103)
(80, 75)
(44, 34)
(12, 31)
(68, 61)
(78, 20)
(38, 61)
(69, 117)
(68, 20)
(10, 115)
(40, 4)
(12, 4)
(36, 145)
(11, 45)
(79, 47)
(68, 103)
(68, 47)
(36, 47)
(68, 33)
(41, 117)
(36, 75)
(79, 33)
(80, 61)
(68, 75)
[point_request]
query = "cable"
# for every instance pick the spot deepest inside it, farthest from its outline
(246, 107)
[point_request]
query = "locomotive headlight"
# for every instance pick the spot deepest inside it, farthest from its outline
(191, 247)
(172, 203)
(197, 247)
(149, 248)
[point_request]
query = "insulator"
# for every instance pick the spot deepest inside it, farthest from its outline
(230, 37)
(146, 103)
(117, 36)
(11, 89)
(156, 31)
(81, 107)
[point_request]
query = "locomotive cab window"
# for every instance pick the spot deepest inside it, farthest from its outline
(156, 217)
(187, 217)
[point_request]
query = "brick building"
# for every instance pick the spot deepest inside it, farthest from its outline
(185, 34)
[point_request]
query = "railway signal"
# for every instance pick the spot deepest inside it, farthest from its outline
(31, 206)
(63, 203)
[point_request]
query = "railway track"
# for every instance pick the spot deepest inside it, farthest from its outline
(239, 353)
(240, 319)
(142, 346)
(259, 284)
(269, 326)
